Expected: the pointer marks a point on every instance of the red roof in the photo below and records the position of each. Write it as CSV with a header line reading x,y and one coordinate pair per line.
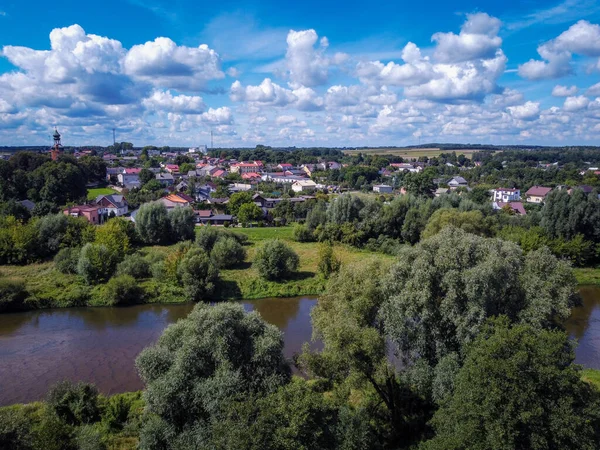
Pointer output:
x,y
133,170
538,191
204,213
515,206
507,190
285,165
219,173
250,175
172,166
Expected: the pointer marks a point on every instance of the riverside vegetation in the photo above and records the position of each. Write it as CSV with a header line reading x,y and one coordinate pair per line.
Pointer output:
x,y
474,321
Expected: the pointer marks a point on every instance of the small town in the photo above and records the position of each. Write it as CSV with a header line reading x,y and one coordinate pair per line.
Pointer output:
x,y
309,226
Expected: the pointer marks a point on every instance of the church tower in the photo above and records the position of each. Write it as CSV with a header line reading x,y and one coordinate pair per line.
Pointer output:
x,y
57,145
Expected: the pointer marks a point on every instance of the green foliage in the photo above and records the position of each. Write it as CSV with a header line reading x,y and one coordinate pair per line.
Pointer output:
x,y
134,265
74,404
198,274
419,183
518,388
227,253
117,235
12,296
183,223
18,241
249,212
469,221
566,216
66,260
275,260
146,175
237,200
96,263
207,237
328,262
152,223
199,365
302,233
122,290
15,430
90,437
345,208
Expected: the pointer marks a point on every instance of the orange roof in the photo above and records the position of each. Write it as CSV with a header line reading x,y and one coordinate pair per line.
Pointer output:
x,y
176,198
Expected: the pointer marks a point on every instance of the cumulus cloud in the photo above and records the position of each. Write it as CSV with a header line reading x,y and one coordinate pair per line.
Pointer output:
x,y
166,101
266,93
576,103
582,38
307,65
527,111
564,91
593,90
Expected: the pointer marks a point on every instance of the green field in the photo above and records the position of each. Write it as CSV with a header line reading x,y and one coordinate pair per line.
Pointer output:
x,y
95,192
587,276
407,153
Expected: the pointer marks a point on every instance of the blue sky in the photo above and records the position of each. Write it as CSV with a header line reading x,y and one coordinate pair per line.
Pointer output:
x,y
300,74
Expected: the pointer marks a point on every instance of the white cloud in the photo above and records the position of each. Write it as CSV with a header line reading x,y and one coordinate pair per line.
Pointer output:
x,y
218,116
582,38
593,90
576,103
267,93
564,91
527,111
165,101
307,66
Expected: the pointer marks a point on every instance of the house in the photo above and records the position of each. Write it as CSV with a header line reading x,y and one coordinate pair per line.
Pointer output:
x,y
27,204
90,212
130,177
206,170
383,189
172,168
586,189
239,187
407,167
165,179
284,166
457,182
251,176
281,178
112,203
304,186
182,186
241,168
177,200
308,169
441,191
113,173
537,194
506,195
517,207
219,173
202,215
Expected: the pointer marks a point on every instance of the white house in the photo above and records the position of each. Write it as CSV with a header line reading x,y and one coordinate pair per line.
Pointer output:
x,y
457,182
130,178
112,204
383,189
304,186
506,195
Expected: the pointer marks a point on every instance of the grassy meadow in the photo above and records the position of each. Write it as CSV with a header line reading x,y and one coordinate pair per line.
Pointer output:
x,y
408,153
587,276
95,192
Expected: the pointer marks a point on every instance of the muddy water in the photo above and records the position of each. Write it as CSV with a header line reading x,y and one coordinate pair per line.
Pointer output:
x,y
99,345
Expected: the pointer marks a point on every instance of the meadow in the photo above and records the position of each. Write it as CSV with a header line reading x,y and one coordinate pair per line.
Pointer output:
x,y
408,153
95,192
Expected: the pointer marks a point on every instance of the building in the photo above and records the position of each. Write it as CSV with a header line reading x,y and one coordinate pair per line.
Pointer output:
x,y
517,207
172,168
243,167
177,200
441,191
90,212
130,177
284,166
165,179
537,194
304,186
112,203
206,217
383,189
27,204
281,178
506,195
55,152
457,182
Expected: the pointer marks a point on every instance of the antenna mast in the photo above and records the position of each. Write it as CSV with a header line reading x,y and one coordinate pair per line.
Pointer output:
x,y
114,138
211,139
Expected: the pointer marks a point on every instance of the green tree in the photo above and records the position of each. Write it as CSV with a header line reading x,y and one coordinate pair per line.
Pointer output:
x,y
66,260
122,290
146,175
152,223
227,252
518,388
249,212
96,263
200,365
183,223
198,274
469,221
328,262
74,404
117,235
237,200
419,183
134,265
275,260
345,208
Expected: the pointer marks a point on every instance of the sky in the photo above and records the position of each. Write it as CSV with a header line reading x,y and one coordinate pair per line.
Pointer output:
x,y
311,73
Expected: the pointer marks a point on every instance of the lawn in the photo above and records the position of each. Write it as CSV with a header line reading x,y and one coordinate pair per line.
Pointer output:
x,y
592,376
587,276
95,192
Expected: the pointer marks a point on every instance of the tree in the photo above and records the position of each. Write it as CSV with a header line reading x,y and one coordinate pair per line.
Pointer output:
x,y
419,183
328,262
146,175
198,274
122,290
275,260
518,388
470,221
134,265
200,365
66,260
345,208
117,235
442,290
227,252
51,231
249,212
74,404
237,200
183,223
207,238
152,223
96,263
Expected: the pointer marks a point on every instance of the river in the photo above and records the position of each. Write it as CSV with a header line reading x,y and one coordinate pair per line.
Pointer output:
x,y
99,345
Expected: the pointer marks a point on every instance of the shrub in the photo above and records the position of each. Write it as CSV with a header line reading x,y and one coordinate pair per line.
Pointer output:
x,y
12,296
51,231
328,262
96,263
198,274
275,260
15,429
66,260
182,222
122,290
302,233
152,223
207,237
90,437
227,252
117,235
134,265
74,404
117,410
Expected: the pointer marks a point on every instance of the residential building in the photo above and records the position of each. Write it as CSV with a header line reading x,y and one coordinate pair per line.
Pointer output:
x,y
284,166
304,186
281,178
240,187
172,168
383,189
517,207
27,204
113,203
244,167
506,195
537,194
177,200
165,179
457,182
90,212
130,177
586,189
441,191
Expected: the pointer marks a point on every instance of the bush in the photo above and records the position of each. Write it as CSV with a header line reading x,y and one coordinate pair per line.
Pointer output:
x,y
96,263
117,410
15,429
74,404
12,296
276,260
182,222
152,223
198,274
134,265
227,252
328,262
51,231
66,260
90,437
302,233
122,290
207,237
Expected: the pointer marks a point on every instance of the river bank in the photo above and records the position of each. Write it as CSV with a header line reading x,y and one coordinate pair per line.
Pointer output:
x,y
45,287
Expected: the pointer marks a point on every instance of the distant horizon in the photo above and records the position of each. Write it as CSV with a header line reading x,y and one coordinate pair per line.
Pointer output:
x,y
319,74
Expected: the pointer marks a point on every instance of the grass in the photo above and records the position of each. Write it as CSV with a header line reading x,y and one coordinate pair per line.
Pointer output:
x,y
410,153
588,276
95,192
591,376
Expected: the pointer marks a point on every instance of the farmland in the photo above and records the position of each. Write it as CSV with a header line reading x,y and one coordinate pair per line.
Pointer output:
x,y
408,153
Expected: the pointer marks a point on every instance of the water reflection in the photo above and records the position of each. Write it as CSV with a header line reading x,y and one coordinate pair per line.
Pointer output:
x,y
99,345
584,325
